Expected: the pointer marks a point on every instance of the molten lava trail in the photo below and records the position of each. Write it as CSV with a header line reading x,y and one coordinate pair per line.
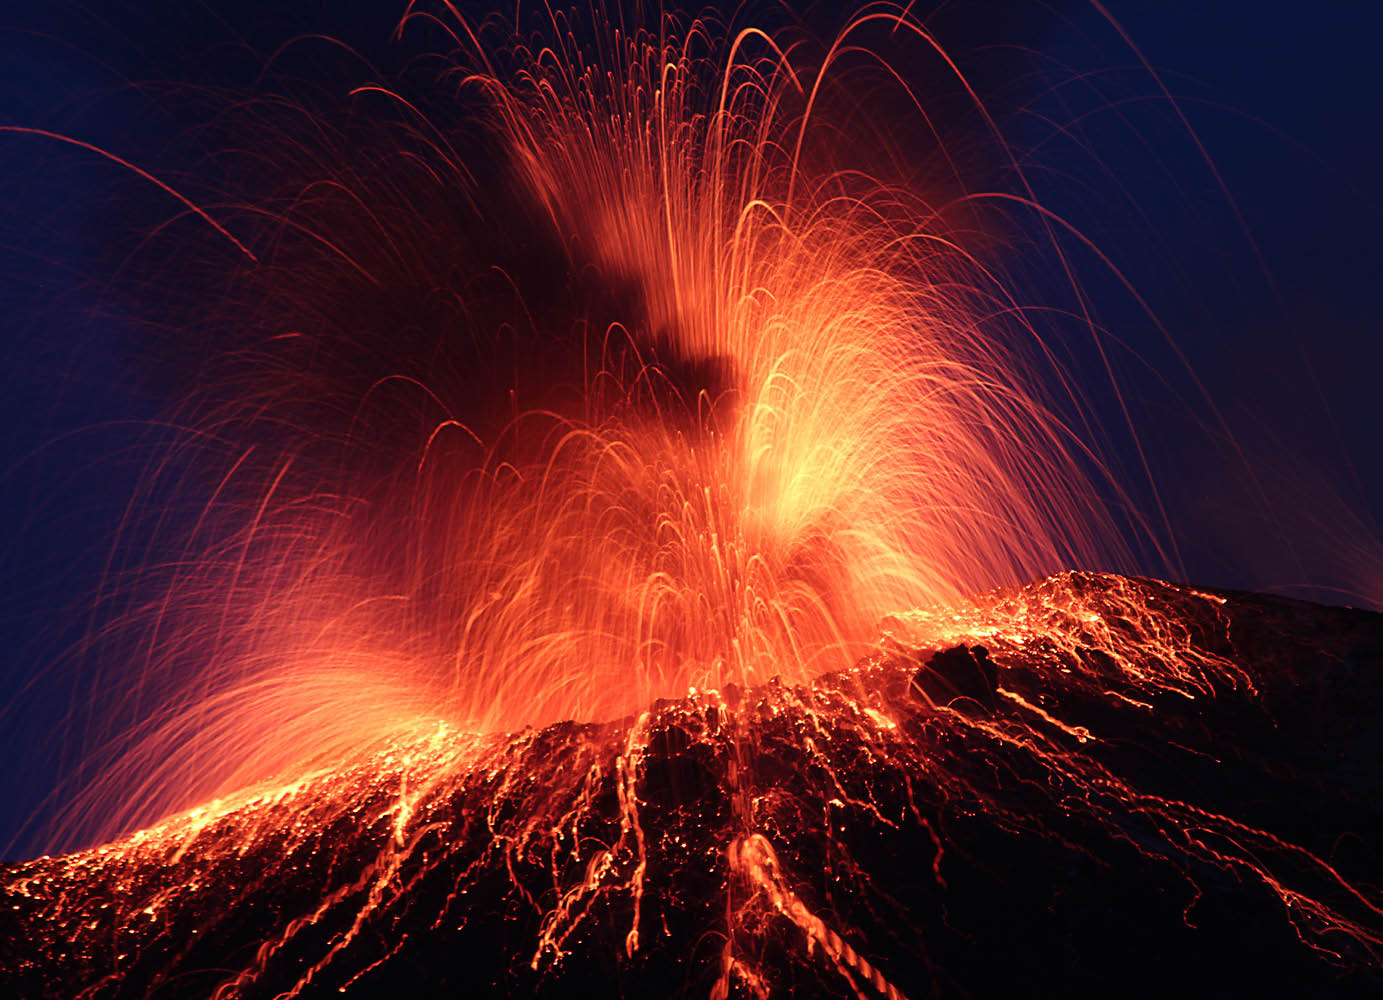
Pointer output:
x,y
1146,786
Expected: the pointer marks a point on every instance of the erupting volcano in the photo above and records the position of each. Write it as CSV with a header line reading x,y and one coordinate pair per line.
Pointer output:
x,y
646,543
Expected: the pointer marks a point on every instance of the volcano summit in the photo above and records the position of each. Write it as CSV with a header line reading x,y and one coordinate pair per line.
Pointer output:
x,y
1164,789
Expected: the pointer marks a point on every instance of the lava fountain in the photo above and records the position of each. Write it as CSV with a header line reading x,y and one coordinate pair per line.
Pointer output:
x,y
794,404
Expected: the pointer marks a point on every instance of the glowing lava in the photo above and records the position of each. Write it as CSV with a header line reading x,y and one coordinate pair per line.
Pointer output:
x,y
802,409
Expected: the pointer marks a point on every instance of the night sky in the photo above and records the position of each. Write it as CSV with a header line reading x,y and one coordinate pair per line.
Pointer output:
x,y
1276,317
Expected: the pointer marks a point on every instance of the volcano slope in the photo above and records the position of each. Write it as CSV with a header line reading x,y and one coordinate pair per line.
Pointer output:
x,y
1089,784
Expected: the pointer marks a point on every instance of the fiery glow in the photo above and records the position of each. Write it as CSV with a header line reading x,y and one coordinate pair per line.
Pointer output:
x,y
810,407
807,412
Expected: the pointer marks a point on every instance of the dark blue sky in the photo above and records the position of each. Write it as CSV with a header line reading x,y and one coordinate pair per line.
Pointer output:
x,y
1285,338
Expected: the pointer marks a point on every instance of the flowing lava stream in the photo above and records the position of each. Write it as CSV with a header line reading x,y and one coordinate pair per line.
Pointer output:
x,y
729,521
